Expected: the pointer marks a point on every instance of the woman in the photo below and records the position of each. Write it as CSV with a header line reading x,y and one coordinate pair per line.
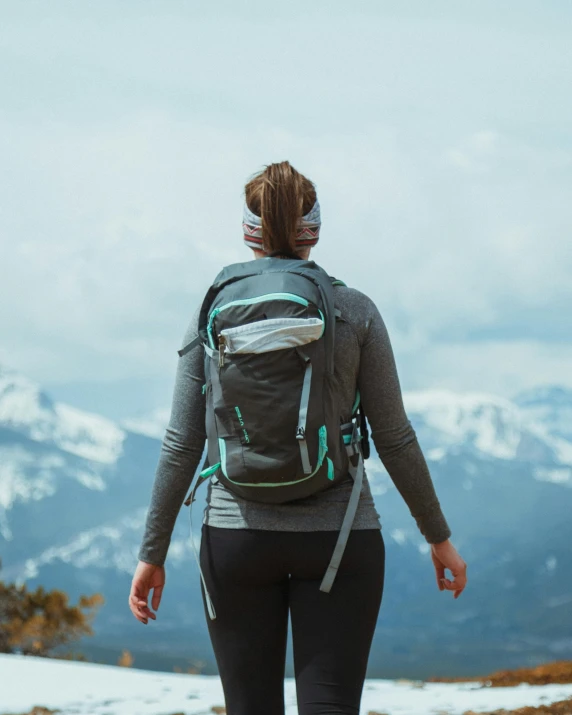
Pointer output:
x,y
263,561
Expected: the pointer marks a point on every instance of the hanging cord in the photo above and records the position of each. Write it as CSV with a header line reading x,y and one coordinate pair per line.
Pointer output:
x,y
189,502
362,423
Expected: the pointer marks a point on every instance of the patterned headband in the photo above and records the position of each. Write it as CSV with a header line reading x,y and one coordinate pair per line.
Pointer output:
x,y
307,234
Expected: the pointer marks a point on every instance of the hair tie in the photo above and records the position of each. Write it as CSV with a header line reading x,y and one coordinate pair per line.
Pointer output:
x,y
307,233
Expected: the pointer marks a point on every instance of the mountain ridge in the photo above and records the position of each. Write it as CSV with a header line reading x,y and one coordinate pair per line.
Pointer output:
x,y
72,517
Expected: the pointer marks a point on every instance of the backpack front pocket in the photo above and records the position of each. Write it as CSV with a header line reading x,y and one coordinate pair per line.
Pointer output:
x,y
258,413
271,334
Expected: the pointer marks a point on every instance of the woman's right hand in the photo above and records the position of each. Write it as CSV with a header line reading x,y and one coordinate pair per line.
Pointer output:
x,y
147,577
445,556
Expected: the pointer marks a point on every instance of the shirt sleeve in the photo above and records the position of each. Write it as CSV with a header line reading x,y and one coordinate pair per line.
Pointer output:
x,y
392,433
181,452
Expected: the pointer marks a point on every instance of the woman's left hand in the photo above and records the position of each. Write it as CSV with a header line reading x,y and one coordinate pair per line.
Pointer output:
x,y
445,555
147,577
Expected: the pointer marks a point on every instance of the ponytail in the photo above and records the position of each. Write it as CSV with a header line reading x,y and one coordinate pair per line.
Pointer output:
x,y
280,195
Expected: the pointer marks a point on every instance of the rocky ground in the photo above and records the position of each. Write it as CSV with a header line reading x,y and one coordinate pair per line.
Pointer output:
x,y
563,707
559,671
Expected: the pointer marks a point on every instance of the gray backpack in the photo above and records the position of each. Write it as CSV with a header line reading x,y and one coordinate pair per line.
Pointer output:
x,y
273,424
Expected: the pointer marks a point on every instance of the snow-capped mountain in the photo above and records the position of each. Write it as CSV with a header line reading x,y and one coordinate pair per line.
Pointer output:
x,y
25,409
152,424
62,471
489,424
74,489
551,406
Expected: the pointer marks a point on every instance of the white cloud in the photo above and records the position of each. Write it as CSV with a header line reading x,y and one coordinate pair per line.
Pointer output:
x,y
501,367
443,180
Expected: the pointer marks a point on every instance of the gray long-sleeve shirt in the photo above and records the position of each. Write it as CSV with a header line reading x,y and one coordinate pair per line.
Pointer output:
x,y
364,360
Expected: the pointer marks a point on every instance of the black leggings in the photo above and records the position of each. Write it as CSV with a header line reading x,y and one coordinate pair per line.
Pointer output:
x,y
254,578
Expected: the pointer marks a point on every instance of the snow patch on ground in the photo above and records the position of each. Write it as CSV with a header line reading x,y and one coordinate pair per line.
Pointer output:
x,y
93,689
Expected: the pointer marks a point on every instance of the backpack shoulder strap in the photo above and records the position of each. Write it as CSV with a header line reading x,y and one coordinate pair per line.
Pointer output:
x,y
337,282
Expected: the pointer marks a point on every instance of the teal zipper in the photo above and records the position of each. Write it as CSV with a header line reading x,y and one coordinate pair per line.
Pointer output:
x,y
250,301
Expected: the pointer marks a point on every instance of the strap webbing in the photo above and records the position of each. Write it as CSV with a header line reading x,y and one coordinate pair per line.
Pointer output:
x,y
357,475
191,498
303,413
190,346
193,344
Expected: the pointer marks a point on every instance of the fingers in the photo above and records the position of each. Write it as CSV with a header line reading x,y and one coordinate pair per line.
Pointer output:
x,y
147,577
457,584
148,612
137,608
440,575
138,603
445,556
156,600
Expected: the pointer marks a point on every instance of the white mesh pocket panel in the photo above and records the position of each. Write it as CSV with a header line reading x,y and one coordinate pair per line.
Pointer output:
x,y
272,334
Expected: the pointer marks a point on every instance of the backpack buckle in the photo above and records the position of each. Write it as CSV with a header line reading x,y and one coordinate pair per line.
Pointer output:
x,y
355,433
300,433
351,436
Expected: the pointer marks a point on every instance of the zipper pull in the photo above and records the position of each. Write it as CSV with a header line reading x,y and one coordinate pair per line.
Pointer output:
x,y
221,344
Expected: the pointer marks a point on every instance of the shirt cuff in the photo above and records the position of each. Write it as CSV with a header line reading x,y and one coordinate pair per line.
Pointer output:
x,y
434,527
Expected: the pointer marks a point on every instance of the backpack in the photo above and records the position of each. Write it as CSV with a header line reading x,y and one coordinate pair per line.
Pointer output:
x,y
273,424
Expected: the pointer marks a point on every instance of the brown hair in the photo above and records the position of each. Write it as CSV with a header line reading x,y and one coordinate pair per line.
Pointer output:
x,y
279,195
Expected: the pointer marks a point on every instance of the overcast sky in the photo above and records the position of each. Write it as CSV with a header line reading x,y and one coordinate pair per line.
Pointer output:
x,y
439,136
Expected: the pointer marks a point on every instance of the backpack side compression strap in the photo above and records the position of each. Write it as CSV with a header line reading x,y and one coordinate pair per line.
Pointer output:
x,y
357,474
